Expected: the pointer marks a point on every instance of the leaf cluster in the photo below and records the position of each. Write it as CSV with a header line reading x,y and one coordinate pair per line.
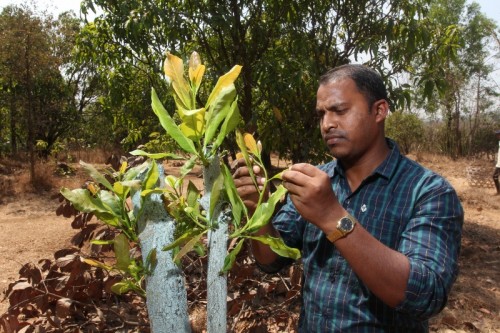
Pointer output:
x,y
197,135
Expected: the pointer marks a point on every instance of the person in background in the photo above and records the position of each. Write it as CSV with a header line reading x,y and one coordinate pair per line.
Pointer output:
x,y
497,167
379,234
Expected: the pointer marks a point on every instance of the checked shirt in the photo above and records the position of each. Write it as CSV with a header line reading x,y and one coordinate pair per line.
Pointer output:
x,y
406,207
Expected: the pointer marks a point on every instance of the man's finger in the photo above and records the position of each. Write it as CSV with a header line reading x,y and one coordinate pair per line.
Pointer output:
x,y
243,181
305,168
295,177
291,187
237,163
240,172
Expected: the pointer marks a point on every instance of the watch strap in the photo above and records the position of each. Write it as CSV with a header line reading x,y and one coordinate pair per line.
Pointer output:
x,y
338,232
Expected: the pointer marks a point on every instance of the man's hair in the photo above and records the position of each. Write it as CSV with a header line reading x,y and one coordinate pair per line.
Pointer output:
x,y
368,81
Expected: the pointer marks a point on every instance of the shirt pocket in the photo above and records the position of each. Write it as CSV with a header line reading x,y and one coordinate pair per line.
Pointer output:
x,y
387,222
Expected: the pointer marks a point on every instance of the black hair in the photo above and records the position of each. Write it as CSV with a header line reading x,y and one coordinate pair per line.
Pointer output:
x,y
367,80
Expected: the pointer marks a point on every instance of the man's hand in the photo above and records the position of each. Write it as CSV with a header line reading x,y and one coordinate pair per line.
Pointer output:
x,y
245,185
311,192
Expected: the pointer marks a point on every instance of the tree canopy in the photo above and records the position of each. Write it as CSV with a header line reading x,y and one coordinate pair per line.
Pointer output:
x,y
431,53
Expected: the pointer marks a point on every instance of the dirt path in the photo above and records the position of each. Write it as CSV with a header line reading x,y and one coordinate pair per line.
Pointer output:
x,y
30,231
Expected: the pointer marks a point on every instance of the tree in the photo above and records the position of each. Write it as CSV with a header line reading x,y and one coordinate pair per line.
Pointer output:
x,y
38,89
406,129
283,47
460,75
200,133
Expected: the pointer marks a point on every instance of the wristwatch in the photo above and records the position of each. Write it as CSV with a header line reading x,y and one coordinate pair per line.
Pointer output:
x,y
344,227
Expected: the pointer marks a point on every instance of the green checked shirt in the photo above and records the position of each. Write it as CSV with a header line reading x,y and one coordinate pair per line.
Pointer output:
x,y
406,207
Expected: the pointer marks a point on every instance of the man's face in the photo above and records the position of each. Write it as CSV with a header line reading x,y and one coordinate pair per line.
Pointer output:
x,y
348,125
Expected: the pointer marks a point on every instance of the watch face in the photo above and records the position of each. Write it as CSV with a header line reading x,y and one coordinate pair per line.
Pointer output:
x,y
345,224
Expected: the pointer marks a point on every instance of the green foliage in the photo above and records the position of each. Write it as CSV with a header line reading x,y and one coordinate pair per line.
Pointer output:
x,y
200,133
453,82
108,201
35,96
283,48
406,129
199,137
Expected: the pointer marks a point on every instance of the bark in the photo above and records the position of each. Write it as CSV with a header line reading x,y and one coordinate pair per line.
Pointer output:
x,y
165,290
217,247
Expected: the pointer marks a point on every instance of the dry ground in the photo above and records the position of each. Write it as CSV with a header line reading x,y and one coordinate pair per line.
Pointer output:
x,y
30,231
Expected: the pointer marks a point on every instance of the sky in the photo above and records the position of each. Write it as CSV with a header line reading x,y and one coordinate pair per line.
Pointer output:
x,y
490,7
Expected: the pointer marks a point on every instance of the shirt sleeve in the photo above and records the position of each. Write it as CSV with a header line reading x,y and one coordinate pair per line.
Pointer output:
x,y
290,224
431,241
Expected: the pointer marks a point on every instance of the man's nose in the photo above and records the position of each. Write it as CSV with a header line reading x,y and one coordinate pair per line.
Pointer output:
x,y
329,121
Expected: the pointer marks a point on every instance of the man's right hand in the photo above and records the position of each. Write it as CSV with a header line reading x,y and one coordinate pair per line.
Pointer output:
x,y
245,185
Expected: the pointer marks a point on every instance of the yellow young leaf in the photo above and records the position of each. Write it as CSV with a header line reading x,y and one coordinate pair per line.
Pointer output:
x,y
174,70
96,263
196,71
250,143
194,60
224,81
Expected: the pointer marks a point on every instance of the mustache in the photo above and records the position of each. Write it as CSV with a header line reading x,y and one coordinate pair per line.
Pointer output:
x,y
334,133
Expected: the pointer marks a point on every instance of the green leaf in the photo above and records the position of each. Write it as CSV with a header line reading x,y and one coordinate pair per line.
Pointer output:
x,y
151,261
193,194
230,123
120,288
145,193
231,257
188,166
218,111
96,175
237,205
156,156
215,193
200,249
265,211
122,252
181,240
111,201
132,173
83,201
152,177
193,123
172,181
188,247
278,246
169,125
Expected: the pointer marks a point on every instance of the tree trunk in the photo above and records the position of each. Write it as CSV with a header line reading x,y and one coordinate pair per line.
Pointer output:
x,y
13,119
29,109
217,247
165,290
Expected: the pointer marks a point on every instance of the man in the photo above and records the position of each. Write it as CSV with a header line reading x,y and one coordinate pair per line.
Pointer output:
x,y
497,167
379,234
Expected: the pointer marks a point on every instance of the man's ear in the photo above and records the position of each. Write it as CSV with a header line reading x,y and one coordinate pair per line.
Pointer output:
x,y
381,110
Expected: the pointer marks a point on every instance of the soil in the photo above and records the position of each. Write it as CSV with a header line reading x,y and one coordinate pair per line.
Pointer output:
x,y
31,231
